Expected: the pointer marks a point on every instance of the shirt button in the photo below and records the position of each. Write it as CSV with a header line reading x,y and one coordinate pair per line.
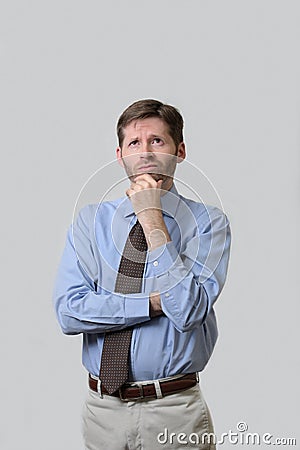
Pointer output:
x,y
155,263
167,294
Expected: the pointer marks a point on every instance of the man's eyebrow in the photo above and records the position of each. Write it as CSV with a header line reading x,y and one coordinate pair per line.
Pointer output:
x,y
133,139
151,136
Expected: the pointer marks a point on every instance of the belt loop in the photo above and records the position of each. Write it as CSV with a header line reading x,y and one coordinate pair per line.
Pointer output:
x,y
99,388
197,377
157,389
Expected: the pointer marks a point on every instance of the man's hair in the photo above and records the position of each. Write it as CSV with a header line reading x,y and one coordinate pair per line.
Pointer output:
x,y
142,109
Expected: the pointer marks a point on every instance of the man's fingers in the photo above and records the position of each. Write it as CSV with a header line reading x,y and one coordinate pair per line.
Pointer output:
x,y
145,184
141,184
134,189
130,192
146,177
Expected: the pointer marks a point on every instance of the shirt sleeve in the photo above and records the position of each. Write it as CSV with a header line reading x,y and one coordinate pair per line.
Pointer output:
x,y
78,305
191,280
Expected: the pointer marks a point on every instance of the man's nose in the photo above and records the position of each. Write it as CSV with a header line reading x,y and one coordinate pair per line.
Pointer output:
x,y
146,149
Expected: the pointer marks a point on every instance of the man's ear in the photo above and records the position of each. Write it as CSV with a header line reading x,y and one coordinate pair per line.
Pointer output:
x,y
181,152
119,156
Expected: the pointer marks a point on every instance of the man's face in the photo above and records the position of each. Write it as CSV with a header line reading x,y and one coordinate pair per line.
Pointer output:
x,y
148,148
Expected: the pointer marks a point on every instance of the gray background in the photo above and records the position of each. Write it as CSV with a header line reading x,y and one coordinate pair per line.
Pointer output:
x,y
68,68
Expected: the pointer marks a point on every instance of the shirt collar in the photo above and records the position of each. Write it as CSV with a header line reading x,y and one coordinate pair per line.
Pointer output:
x,y
169,203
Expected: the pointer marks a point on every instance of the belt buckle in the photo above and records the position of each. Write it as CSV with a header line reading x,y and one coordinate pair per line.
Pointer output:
x,y
132,398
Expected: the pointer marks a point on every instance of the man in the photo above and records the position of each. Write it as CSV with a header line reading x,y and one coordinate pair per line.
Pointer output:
x,y
139,278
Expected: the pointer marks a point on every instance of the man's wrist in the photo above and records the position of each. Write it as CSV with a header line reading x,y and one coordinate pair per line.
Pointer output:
x,y
154,228
155,304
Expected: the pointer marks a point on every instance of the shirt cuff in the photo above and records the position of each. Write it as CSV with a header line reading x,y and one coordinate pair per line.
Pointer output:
x,y
165,264
161,259
136,309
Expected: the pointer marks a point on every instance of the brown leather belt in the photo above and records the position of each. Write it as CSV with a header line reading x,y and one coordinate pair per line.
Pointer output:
x,y
129,392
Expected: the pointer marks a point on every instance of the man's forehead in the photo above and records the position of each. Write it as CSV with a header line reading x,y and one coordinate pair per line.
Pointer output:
x,y
151,123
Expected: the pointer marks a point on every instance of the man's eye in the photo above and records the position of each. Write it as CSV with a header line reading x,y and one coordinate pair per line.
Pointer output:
x,y
133,143
157,141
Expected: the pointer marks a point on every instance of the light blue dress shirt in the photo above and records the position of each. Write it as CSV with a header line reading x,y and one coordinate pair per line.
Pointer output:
x,y
189,272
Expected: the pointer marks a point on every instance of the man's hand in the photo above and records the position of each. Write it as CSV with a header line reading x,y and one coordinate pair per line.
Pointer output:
x,y
155,305
144,194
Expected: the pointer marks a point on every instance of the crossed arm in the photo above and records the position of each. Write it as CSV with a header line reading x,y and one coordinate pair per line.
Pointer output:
x,y
187,289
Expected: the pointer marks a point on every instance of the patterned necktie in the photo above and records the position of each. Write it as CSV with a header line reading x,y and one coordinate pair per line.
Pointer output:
x,y
114,362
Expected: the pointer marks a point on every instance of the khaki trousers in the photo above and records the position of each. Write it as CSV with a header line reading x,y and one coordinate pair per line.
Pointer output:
x,y
177,421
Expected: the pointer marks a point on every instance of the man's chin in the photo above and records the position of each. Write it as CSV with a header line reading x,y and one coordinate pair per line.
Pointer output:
x,y
156,176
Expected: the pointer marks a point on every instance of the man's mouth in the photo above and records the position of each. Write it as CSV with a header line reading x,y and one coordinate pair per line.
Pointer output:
x,y
147,167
